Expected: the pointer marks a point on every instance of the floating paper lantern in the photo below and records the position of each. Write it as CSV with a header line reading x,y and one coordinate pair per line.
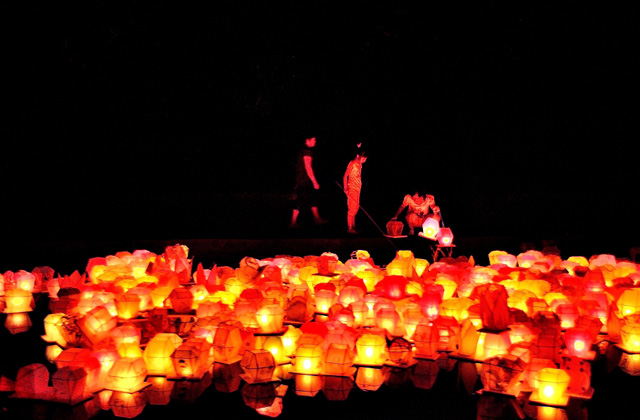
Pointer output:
x,y
227,344
190,358
308,359
290,340
24,280
32,381
159,296
445,237
338,360
126,334
127,374
388,319
468,341
181,300
54,328
274,345
630,335
629,302
18,300
426,340
552,386
258,365
144,293
568,314
430,228
270,318
350,294
97,324
371,350
157,353
69,384
400,351
578,342
129,349
496,344
502,373
127,305
430,304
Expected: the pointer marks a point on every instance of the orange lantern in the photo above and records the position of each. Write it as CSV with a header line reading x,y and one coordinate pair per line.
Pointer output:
x,y
426,340
496,344
24,280
270,319
325,299
126,333
629,302
159,296
190,359
227,344
127,374
258,365
290,340
157,354
338,360
181,300
274,344
568,314
97,324
350,294
127,305
469,337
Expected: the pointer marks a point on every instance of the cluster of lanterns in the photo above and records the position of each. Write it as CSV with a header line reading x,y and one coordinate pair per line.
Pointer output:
x,y
137,326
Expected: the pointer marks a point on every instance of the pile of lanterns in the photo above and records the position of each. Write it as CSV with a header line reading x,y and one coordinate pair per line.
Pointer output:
x,y
137,326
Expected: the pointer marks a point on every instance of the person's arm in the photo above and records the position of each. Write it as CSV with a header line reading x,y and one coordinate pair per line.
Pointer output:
x,y
345,178
402,207
309,168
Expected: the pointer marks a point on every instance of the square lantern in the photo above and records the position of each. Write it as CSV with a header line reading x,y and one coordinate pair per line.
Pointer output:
x,y
445,237
69,384
127,374
97,324
18,300
270,319
338,360
630,335
552,387
308,359
578,343
371,350
426,340
157,353
430,228
190,359
227,344
258,366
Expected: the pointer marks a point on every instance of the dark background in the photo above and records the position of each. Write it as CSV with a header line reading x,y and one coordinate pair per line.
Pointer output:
x,y
158,120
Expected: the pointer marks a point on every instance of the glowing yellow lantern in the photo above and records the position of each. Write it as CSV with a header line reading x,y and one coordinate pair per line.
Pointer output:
x,y
159,296
270,318
157,353
127,374
127,305
448,284
629,302
274,344
129,350
308,359
552,386
18,300
630,335
371,350
97,324
144,293
350,294
469,337
290,340
325,299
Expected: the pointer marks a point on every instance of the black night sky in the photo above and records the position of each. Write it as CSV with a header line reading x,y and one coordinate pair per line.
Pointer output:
x,y
180,119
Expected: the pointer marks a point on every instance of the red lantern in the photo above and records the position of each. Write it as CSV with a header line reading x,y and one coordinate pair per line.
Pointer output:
x,y
578,343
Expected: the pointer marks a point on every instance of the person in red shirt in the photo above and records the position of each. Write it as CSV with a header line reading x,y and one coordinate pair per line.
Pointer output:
x,y
352,184
305,191
419,206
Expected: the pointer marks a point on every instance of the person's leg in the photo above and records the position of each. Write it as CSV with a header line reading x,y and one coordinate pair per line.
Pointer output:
x,y
294,218
353,204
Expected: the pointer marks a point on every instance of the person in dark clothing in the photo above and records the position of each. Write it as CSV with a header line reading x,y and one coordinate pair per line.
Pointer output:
x,y
305,192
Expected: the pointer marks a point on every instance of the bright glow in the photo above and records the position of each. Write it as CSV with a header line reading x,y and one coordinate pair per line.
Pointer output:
x,y
548,391
264,319
306,364
578,345
369,352
432,311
